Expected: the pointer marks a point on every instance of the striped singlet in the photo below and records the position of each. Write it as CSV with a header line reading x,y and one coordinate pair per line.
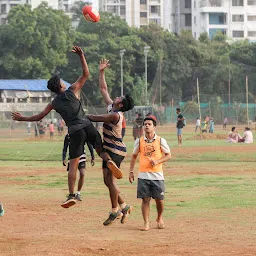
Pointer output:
x,y
112,135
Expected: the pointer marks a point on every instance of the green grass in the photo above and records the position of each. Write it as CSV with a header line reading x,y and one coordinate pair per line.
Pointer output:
x,y
211,190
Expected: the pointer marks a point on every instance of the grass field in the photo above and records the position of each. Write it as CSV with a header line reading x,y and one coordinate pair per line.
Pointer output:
x,y
210,205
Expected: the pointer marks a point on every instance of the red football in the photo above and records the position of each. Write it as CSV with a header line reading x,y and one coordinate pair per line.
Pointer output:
x,y
90,13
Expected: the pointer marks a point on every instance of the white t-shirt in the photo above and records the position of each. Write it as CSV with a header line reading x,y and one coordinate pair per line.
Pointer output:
x,y
198,122
151,175
248,137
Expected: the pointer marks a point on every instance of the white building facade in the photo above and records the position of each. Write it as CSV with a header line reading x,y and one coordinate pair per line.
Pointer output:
x,y
234,18
6,5
138,13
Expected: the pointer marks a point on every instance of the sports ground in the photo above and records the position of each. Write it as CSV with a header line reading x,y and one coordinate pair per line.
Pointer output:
x,y
210,203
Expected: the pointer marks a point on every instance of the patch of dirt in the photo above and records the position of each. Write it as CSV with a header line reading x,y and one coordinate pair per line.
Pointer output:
x,y
208,136
34,224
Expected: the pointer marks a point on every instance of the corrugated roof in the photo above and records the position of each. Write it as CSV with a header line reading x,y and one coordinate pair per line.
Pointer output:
x,y
23,85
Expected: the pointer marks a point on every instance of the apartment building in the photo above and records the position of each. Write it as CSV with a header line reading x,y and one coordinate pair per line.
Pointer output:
x,y
138,13
234,18
6,5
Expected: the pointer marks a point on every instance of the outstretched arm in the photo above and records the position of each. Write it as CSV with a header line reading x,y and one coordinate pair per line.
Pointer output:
x,y
18,117
76,87
111,117
102,82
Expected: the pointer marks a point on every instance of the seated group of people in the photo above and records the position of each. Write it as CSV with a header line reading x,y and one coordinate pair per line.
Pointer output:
x,y
235,137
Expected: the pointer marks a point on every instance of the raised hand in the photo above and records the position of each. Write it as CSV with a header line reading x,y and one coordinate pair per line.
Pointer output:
x,y
78,50
104,64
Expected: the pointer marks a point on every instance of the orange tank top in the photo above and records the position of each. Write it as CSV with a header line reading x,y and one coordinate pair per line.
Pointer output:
x,y
150,150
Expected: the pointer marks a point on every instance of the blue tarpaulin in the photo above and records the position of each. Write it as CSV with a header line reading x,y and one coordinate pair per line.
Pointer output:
x,y
25,85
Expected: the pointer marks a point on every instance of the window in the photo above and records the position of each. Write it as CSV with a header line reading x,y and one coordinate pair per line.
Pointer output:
x,y
238,18
222,19
143,1
13,5
251,17
194,19
188,20
143,15
194,3
3,21
3,8
155,10
112,9
65,7
251,33
238,33
187,3
237,2
251,2
122,10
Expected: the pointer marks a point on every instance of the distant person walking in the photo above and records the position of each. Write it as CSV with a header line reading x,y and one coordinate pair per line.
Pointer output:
x,y
225,122
211,126
198,124
179,125
153,151
137,130
51,130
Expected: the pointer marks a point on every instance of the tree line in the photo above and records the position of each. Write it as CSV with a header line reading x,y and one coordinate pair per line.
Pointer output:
x,y
36,43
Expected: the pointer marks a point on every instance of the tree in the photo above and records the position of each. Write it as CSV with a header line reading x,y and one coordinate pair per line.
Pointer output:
x,y
34,42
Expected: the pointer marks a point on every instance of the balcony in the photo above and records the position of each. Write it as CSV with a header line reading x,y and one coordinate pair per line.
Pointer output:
x,y
212,6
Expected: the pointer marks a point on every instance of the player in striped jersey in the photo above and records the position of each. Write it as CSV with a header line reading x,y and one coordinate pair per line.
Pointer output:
x,y
81,165
113,143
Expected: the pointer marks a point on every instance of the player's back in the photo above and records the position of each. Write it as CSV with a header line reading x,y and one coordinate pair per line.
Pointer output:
x,y
70,109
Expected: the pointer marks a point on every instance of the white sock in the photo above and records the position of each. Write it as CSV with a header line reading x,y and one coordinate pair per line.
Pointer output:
x,y
114,209
78,192
122,206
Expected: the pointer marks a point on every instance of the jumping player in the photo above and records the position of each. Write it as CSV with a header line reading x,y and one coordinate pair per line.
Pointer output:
x,y
80,128
112,143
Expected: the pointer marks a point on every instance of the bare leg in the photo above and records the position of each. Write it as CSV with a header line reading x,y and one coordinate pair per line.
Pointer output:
x,y
73,165
109,181
81,179
160,210
145,208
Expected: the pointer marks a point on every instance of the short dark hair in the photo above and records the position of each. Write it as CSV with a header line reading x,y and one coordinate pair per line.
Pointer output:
x,y
178,109
128,103
233,128
151,118
247,129
54,84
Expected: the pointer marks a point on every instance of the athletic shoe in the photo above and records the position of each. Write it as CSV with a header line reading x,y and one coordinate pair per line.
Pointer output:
x,y
113,216
78,197
71,200
114,169
1,210
126,211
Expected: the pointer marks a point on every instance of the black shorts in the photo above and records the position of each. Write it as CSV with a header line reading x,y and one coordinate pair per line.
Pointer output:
x,y
80,137
115,157
81,165
150,188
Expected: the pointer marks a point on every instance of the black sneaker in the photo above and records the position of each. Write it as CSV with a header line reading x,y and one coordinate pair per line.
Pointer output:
x,y
71,200
126,211
113,216
78,197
